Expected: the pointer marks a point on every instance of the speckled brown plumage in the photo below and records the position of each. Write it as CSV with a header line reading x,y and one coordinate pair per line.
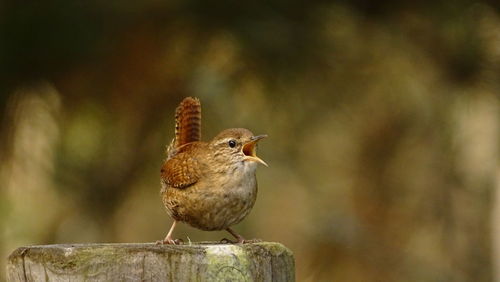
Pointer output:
x,y
209,185
187,124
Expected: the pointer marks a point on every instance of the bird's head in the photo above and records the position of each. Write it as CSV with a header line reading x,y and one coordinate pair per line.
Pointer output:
x,y
236,145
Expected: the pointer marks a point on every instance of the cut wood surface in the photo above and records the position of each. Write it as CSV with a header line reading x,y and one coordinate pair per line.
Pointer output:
x,y
263,261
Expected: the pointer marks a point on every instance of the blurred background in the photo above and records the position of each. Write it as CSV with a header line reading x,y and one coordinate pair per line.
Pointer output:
x,y
383,120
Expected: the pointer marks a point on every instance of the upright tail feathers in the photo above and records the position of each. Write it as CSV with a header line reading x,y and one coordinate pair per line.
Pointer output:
x,y
187,123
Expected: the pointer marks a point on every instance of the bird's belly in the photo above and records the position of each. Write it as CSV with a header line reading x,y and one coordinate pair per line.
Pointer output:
x,y
212,208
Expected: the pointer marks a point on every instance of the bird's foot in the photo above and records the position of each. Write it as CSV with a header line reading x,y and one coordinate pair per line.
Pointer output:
x,y
240,240
170,241
252,241
227,241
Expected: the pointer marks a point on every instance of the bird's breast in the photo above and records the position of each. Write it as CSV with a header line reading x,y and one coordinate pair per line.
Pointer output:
x,y
241,176
220,199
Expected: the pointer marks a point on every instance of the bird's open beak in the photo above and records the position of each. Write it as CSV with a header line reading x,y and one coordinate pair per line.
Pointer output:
x,y
249,149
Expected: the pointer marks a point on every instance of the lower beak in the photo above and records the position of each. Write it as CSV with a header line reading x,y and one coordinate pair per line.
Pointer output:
x,y
249,149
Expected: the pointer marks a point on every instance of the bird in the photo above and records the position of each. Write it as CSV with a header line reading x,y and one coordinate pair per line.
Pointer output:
x,y
208,185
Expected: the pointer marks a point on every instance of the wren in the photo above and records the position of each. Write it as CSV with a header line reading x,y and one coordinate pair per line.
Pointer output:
x,y
208,185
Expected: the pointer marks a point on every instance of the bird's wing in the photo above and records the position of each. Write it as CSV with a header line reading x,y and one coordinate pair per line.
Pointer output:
x,y
182,169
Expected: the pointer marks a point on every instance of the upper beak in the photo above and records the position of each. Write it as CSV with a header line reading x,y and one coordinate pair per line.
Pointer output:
x,y
249,149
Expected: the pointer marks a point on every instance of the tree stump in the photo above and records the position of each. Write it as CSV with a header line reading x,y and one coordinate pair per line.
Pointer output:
x,y
263,261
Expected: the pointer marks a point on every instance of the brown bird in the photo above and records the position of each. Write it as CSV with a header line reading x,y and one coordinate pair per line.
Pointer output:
x,y
208,185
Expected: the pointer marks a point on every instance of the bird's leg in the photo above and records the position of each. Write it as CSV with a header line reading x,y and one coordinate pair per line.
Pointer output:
x,y
168,239
240,238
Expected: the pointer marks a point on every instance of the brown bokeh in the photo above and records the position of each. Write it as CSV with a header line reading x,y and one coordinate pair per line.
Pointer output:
x,y
383,124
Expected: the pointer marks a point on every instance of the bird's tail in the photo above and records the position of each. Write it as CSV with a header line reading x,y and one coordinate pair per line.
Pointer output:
x,y
187,123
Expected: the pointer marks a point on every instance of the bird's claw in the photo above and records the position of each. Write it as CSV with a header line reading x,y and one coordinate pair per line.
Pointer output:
x,y
239,241
169,241
227,241
252,241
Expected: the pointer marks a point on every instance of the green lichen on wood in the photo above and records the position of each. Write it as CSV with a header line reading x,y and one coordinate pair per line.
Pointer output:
x,y
229,262
150,262
70,258
272,254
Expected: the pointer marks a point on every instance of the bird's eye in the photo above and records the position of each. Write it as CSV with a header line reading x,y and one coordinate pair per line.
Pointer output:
x,y
232,143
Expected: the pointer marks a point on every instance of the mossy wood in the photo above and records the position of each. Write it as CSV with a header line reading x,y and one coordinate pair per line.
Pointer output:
x,y
264,261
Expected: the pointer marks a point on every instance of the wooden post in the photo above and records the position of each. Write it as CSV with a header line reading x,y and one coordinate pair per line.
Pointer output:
x,y
263,261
